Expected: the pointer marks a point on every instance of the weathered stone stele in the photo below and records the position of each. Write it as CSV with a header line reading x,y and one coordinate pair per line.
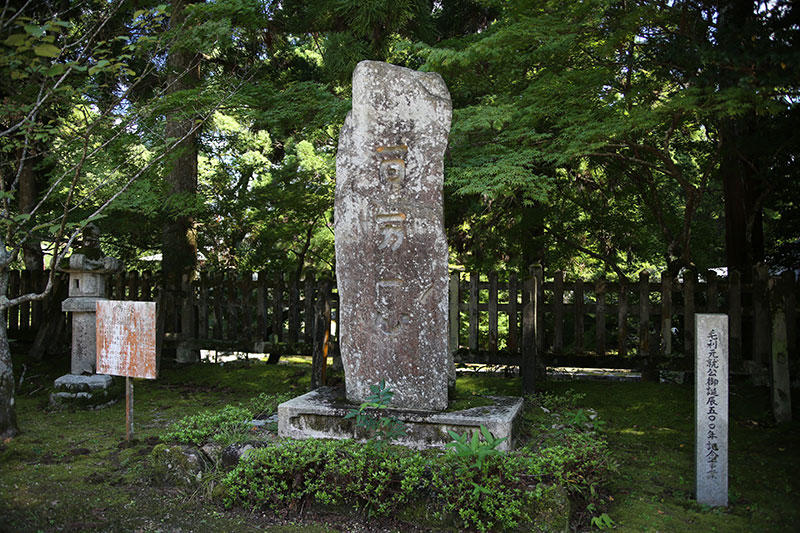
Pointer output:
x,y
391,251
711,408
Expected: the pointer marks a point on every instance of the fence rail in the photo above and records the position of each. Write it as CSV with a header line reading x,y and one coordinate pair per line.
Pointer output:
x,y
496,317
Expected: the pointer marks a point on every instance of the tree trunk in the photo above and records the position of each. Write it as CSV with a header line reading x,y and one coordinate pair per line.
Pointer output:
x,y
742,183
744,234
179,252
8,413
31,250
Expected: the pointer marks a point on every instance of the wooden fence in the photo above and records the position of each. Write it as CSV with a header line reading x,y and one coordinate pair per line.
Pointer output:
x,y
494,317
635,324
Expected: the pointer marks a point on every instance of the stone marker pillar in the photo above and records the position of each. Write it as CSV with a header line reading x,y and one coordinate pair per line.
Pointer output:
x,y
711,408
779,368
87,285
88,273
391,251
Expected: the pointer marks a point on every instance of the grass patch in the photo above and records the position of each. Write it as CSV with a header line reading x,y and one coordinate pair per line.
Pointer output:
x,y
70,471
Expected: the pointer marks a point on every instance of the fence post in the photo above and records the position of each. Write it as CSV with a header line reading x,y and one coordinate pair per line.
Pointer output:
x,y
780,383
147,285
277,310
513,314
203,305
622,318
133,285
600,316
294,312
246,320
788,287
539,273
666,314
644,322
689,282
473,311
735,318
161,319
219,288
530,355
492,307
578,303
558,311
308,308
761,320
186,353
712,292
454,298
322,332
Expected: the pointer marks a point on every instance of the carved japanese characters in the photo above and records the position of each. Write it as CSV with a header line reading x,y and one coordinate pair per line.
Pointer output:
x,y
391,252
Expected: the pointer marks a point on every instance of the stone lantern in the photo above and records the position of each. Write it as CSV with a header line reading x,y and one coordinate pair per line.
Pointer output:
x,y
88,273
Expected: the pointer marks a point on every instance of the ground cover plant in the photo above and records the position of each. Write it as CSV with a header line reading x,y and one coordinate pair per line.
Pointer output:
x,y
72,471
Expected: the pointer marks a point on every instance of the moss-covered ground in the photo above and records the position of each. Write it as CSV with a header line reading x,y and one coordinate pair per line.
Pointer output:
x,y
72,470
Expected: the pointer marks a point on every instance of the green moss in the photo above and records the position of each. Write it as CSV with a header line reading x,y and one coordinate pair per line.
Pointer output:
x,y
67,471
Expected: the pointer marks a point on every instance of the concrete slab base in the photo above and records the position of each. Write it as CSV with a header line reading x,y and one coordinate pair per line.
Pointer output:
x,y
88,392
320,414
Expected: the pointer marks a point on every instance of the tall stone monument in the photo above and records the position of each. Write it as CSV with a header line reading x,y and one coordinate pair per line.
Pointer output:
x,y
391,251
391,269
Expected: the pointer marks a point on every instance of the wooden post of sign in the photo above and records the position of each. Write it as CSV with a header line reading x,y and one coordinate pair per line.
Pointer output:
x,y
128,408
126,346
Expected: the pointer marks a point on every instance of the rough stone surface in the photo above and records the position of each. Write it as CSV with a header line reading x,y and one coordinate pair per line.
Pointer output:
x,y
711,409
178,464
87,285
391,251
320,414
94,391
73,383
779,366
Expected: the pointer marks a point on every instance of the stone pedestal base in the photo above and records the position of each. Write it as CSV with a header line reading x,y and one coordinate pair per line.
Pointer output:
x,y
87,392
320,414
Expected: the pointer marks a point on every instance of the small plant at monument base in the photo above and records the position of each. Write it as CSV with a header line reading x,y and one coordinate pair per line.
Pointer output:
x,y
603,521
475,451
475,448
382,428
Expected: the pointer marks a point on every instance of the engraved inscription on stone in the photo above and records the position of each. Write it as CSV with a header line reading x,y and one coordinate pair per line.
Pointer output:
x,y
393,172
711,409
393,166
392,230
391,252
389,295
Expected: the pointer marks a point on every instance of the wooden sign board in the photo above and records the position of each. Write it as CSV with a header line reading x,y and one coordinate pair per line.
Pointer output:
x,y
126,338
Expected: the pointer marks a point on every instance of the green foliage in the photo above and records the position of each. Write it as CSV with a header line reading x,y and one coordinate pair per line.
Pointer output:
x,y
475,449
567,399
603,521
380,480
381,428
225,426
374,480
266,404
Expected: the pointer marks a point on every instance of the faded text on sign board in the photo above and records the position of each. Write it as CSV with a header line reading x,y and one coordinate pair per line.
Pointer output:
x,y
126,338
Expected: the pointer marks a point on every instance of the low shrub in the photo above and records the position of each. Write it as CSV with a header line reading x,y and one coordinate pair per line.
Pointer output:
x,y
225,426
372,479
228,425
502,492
